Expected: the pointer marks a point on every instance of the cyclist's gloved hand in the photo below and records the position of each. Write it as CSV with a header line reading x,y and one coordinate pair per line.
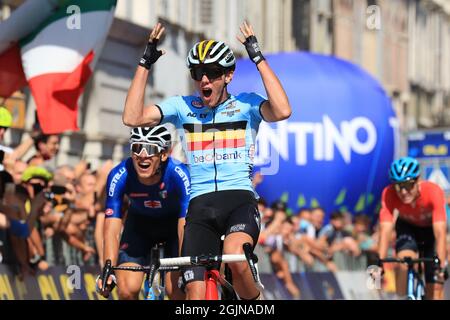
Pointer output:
x,y
441,274
151,53
253,49
251,43
107,276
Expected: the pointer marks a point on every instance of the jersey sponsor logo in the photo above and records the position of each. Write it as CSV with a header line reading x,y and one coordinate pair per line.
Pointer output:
x,y
209,158
114,181
231,105
109,212
197,104
238,227
215,135
185,178
230,113
153,204
138,195
163,194
195,115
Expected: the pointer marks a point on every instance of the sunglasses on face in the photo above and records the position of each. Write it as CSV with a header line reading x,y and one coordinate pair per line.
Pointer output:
x,y
210,72
407,185
150,149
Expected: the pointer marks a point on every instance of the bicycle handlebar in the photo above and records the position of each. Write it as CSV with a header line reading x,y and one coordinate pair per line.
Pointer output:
x,y
170,264
408,260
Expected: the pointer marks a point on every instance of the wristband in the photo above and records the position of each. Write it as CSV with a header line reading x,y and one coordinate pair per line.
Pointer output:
x,y
151,55
253,49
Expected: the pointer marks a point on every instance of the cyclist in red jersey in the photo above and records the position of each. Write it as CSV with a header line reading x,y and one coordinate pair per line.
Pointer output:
x,y
416,209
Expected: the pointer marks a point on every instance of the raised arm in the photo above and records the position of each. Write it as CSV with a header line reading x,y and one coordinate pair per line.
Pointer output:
x,y
277,107
134,113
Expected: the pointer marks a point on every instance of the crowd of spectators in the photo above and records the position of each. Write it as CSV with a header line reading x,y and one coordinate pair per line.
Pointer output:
x,y
49,214
300,241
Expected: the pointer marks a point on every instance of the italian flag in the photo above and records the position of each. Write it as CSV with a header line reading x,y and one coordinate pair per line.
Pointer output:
x,y
57,60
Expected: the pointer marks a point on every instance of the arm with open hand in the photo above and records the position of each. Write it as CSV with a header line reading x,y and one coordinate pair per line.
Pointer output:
x,y
277,107
134,113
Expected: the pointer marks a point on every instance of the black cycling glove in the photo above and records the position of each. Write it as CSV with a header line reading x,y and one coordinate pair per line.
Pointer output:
x,y
253,50
151,55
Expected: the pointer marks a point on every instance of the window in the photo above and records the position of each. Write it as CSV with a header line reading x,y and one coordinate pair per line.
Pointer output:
x,y
206,11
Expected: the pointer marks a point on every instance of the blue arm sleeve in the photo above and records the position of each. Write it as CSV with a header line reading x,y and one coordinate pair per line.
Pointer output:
x,y
115,190
182,183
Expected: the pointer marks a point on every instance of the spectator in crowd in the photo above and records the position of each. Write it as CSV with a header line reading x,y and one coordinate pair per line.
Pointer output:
x,y
336,238
347,221
273,237
34,181
75,219
47,147
361,233
8,155
18,170
317,218
305,243
27,202
297,241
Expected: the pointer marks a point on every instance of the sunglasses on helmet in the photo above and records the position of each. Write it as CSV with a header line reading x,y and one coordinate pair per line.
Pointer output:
x,y
211,72
150,149
407,185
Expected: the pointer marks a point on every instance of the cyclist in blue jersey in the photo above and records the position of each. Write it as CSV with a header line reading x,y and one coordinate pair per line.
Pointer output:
x,y
158,191
218,131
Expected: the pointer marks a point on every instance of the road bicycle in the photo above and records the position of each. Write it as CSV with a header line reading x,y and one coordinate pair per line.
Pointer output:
x,y
218,285
415,285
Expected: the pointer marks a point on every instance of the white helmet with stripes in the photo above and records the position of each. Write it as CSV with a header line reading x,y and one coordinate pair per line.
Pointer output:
x,y
158,135
211,52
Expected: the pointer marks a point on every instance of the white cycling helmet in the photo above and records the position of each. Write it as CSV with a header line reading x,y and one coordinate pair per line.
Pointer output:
x,y
158,135
211,52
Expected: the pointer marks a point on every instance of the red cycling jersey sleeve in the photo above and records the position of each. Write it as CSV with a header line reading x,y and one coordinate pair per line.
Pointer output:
x,y
427,209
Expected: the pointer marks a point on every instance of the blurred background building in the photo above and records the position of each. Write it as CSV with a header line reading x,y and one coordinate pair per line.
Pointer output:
x,y
405,44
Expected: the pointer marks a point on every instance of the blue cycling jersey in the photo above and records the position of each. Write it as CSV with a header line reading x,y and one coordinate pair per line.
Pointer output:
x,y
168,197
219,142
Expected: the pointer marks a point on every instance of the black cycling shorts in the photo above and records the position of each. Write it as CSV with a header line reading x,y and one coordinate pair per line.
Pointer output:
x,y
141,233
215,214
417,239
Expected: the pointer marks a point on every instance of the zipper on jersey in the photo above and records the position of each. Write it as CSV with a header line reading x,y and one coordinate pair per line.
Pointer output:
x,y
214,151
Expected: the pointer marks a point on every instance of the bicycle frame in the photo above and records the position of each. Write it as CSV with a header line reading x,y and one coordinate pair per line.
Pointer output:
x,y
211,279
415,287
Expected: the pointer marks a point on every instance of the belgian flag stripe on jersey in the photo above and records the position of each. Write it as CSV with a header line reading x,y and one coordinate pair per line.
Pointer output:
x,y
215,135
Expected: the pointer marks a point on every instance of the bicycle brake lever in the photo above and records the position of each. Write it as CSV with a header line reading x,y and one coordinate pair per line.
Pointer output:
x,y
107,270
252,262
154,266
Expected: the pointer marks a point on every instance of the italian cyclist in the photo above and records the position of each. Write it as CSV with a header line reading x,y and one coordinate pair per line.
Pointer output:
x,y
158,191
